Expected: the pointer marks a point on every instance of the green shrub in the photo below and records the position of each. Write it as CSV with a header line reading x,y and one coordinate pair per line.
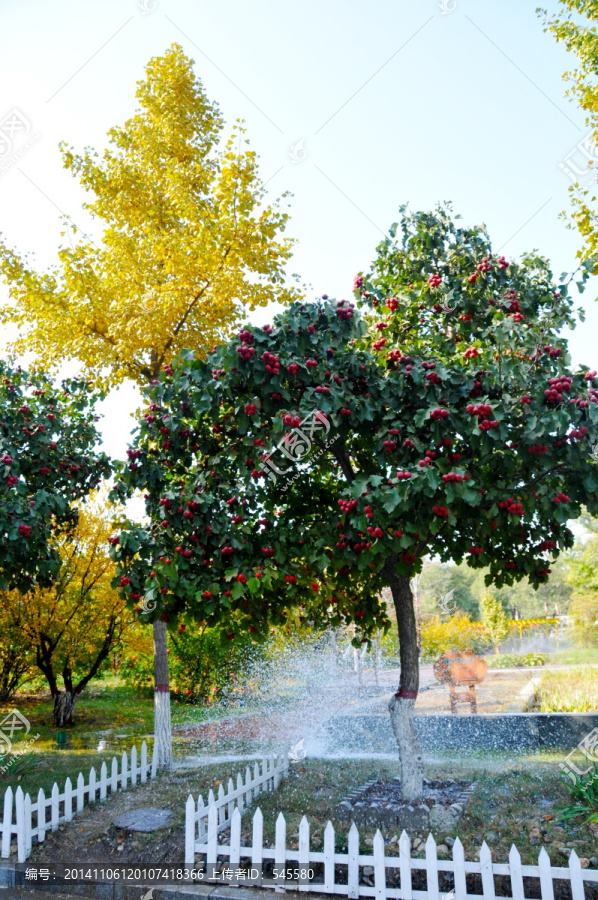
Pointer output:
x,y
514,660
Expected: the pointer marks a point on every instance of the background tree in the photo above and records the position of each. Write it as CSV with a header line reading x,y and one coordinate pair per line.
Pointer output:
x,y
188,246
72,627
583,575
446,588
420,450
48,460
17,660
495,619
575,27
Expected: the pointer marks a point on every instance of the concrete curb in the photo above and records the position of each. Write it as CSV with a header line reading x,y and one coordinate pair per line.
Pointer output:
x,y
372,732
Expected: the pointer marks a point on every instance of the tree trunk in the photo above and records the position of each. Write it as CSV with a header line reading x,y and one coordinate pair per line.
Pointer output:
x,y
64,706
162,724
401,705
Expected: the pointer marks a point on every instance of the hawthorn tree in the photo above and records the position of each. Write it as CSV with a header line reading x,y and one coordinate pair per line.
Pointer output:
x,y
189,244
313,463
48,460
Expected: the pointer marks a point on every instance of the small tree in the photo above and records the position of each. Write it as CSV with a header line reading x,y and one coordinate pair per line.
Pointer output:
x,y
495,619
311,464
48,460
72,627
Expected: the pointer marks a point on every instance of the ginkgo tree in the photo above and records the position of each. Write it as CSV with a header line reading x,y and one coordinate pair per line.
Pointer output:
x,y
311,464
188,245
573,23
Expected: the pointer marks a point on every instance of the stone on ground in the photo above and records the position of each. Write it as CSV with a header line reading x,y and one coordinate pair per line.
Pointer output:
x,y
146,819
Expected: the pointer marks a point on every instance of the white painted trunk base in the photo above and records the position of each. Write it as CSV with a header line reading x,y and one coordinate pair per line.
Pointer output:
x,y
412,763
162,730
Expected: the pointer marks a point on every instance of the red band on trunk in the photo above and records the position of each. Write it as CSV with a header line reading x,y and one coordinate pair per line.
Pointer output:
x,y
406,694
161,689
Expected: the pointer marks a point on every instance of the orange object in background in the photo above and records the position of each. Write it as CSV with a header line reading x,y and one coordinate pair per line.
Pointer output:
x,y
458,668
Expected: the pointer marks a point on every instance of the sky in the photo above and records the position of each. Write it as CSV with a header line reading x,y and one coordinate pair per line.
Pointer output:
x,y
353,108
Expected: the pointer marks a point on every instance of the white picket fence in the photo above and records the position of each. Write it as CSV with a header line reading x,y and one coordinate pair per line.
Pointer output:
x,y
350,863
198,824
19,806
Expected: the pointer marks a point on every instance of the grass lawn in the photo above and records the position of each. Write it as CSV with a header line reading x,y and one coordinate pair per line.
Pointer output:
x,y
107,709
575,657
568,690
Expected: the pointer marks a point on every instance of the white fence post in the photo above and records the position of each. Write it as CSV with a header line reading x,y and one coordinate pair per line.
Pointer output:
x,y
80,792
7,823
546,885
68,800
103,781
220,806
303,852
405,866
280,845
20,816
55,808
329,857
240,803
353,862
190,832
432,868
28,826
257,842
212,842
235,839
459,870
143,762
231,803
133,765
124,772
379,867
577,888
486,872
41,815
516,874
114,775
201,814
